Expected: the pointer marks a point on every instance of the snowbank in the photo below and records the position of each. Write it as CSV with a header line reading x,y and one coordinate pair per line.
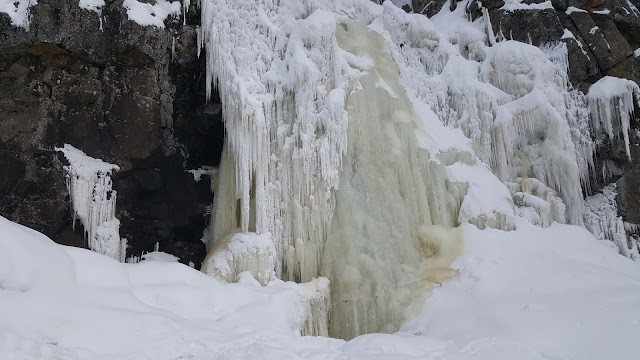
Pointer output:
x,y
528,294
537,293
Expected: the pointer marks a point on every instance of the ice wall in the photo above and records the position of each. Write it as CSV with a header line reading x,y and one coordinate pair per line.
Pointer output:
x,y
93,201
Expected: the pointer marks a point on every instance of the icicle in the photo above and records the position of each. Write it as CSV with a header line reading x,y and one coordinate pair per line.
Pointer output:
x,y
611,101
93,201
185,10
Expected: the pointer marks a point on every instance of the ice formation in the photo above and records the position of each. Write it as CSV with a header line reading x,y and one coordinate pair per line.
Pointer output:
x,y
602,220
611,101
337,148
93,201
354,203
242,252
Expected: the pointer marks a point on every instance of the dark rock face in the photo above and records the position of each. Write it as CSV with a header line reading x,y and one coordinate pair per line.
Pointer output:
x,y
119,94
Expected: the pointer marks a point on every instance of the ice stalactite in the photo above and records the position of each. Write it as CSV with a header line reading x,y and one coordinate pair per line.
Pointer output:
x,y
611,101
93,201
602,220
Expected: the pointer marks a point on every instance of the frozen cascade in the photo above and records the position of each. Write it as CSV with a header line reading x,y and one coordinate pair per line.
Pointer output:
x,y
359,180
93,201
393,207
602,220
611,101
292,168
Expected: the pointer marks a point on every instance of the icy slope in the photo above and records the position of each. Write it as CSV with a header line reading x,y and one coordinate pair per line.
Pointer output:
x,y
554,293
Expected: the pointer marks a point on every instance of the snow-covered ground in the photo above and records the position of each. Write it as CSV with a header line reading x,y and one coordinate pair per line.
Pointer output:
x,y
476,111
535,293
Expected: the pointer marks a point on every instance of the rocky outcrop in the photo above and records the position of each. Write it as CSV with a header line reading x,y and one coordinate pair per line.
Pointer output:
x,y
128,94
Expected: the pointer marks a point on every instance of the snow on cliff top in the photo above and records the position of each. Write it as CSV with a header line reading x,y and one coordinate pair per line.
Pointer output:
x,y
151,15
18,11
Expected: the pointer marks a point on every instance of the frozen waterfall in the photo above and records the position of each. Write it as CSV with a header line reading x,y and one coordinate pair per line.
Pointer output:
x,y
359,137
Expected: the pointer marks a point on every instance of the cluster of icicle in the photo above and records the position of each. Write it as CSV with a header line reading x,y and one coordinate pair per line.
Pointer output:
x,y
602,220
611,101
93,202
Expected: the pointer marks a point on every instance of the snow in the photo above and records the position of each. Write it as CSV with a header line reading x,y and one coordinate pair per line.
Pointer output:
x,y
636,53
567,34
93,201
602,12
152,15
572,9
529,294
18,11
158,256
93,5
547,293
513,5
